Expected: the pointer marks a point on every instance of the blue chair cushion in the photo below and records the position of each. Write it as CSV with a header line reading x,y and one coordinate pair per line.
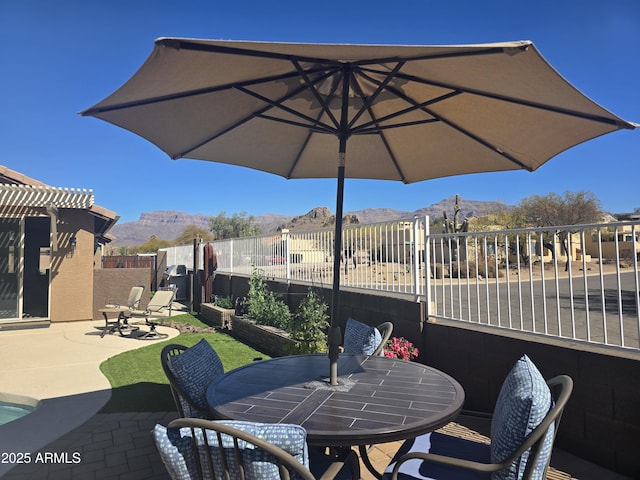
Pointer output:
x,y
360,338
195,369
523,402
441,444
176,448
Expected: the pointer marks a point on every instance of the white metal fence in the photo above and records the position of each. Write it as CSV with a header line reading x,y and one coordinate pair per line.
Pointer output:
x,y
575,282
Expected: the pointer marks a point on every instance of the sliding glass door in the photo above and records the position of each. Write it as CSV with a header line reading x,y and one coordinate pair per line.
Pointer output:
x,y
25,266
9,268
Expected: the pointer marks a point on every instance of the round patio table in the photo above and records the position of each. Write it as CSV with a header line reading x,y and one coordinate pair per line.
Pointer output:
x,y
378,400
118,323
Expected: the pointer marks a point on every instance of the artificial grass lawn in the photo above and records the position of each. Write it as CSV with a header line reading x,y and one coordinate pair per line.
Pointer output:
x,y
138,383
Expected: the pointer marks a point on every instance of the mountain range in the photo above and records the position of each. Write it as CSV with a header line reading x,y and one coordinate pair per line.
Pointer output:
x,y
167,225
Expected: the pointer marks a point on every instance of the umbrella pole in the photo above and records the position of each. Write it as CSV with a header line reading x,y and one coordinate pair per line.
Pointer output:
x,y
335,335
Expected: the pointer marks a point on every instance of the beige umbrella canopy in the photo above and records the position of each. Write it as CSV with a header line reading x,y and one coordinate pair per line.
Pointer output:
x,y
406,113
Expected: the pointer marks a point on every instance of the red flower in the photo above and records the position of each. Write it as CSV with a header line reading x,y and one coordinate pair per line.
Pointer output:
x,y
400,347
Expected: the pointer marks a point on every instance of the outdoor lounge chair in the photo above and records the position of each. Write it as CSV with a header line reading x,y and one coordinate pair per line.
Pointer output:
x,y
159,307
195,448
523,428
121,322
360,338
190,371
133,302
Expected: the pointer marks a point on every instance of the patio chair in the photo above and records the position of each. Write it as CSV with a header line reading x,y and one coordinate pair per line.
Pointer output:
x,y
195,448
523,428
159,307
122,320
360,338
133,302
190,371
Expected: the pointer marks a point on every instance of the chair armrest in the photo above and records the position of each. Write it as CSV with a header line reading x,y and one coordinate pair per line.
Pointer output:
x,y
346,457
449,461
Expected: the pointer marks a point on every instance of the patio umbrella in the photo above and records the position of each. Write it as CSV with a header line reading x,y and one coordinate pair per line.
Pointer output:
x,y
406,113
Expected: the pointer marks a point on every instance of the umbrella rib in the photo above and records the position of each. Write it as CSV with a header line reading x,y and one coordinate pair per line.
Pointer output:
x,y
372,98
325,108
518,101
299,155
312,87
481,141
465,132
367,106
414,106
277,104
259,113
189,93
186,44
318,127
378,128
183,44
439,56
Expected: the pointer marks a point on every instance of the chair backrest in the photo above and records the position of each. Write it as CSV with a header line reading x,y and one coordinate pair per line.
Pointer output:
x,y
360,338
385,329
195,448
525,421
543,436
161,299
190,375
135,295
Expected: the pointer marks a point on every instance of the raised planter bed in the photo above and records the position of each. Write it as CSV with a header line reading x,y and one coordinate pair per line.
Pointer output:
x,y
216,316
270,340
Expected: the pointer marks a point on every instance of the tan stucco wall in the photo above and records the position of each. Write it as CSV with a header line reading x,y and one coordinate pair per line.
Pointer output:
x,y
114,284
72,271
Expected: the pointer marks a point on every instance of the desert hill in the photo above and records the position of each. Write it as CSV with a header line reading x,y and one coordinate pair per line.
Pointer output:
x,y
168,225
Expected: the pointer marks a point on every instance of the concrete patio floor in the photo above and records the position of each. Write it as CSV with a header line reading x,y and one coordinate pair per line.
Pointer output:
x,y
59,366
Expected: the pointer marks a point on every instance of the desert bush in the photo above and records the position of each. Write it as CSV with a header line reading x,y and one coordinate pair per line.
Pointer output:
x,y
437,270
463,268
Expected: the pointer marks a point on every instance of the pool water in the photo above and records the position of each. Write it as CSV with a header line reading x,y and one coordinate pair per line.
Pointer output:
x,y
10,411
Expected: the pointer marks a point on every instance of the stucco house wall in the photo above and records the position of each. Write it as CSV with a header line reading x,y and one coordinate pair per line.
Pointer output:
x,y
61,265
72,275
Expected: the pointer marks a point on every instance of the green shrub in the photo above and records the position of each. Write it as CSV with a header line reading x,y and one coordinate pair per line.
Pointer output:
x,y
265,307
224,302
309,325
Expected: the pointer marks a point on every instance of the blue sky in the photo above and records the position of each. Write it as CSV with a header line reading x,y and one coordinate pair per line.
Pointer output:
x,y
62,57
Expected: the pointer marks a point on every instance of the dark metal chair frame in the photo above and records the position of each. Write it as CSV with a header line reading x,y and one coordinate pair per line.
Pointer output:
x,y
121,322
150,314
563,386
287,464
385,329
178,393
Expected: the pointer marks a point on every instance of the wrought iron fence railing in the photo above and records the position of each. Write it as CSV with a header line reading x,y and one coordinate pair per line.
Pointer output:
x,y
576,282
